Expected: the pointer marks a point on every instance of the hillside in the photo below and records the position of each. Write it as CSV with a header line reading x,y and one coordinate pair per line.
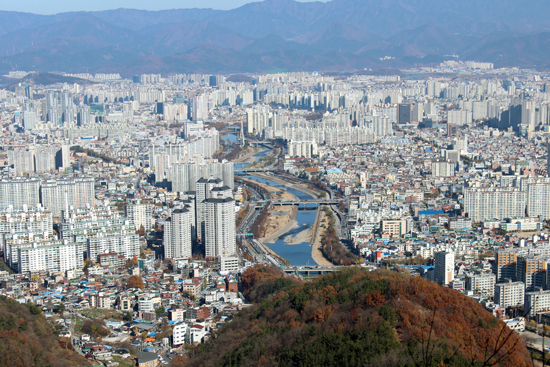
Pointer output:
x,y
27,339
357,318
337,35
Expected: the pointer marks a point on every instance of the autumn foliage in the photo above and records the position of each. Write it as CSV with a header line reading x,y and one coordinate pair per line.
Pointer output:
x,y
27,339
332,248
134,282
359,318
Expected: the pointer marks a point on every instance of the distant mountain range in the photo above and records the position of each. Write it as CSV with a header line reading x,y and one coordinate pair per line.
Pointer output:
x,y
279,35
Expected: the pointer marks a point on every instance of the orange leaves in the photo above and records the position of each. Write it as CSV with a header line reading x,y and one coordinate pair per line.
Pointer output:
x,y
280,295
328,292
134,282
322,315
430,301
375,299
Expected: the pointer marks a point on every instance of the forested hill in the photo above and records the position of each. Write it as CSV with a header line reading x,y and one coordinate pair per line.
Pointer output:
x,y
27,339
357,318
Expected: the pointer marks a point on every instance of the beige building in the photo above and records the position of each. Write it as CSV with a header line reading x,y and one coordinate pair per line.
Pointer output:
x,y
395,227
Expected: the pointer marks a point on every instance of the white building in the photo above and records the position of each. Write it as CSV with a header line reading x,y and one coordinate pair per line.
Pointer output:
x,y
220,227
538,197
486,203
229,263
302,149
180,334
177,234
19,193
146,304
122,242
509,294
482,284
537,302
54,257
444,267
62,194
141,214
443,169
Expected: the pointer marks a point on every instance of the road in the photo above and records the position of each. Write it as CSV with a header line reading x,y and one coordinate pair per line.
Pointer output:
x,y
536,339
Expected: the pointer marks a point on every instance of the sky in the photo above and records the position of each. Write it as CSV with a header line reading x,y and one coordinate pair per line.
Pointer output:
x,y
61,6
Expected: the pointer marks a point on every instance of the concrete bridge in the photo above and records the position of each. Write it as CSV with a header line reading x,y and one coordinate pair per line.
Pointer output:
x,y
241,171
305,202
307,269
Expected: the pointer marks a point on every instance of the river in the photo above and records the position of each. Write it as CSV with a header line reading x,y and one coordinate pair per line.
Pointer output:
x,y
299,254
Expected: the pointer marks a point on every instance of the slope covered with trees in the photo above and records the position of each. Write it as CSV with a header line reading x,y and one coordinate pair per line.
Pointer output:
x,y
357,318
27,339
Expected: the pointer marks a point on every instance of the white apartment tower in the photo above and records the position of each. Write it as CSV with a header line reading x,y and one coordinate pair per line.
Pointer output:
x,y
177,234
58,195
19,193
141,214
202,191
487,203
444,267
220,227
510,294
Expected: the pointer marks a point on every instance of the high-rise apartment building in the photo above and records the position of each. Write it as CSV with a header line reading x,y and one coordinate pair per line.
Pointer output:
x,y
537,302
220,227
531,271
509,294
444,267
19,193
487,203
481,284
177,234
62,194
203,187
404,113
140,213
54,256
538,197
443,169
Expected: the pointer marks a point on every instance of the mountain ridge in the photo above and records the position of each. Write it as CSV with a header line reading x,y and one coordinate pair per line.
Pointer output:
x,y
330,36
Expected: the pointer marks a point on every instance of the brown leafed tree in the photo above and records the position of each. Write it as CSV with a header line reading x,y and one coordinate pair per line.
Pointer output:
x,y
134,282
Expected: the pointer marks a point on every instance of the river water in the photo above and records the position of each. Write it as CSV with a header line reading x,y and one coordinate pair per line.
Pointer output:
x,y
299,254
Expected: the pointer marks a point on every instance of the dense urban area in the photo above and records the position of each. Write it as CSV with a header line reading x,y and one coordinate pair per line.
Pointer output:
x,y
138,216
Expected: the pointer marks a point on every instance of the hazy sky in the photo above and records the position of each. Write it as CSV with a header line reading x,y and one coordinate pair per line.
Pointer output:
x,y
60,6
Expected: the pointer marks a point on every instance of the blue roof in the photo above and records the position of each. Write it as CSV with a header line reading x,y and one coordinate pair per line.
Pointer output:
x,y
430,212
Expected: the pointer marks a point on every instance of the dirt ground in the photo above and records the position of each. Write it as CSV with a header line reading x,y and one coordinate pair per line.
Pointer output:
x,y
279,216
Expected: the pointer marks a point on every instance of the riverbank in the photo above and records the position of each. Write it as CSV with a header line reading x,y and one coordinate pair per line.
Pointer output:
x,y
247,155
316,253
281,220
276,193
300,237
313,193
